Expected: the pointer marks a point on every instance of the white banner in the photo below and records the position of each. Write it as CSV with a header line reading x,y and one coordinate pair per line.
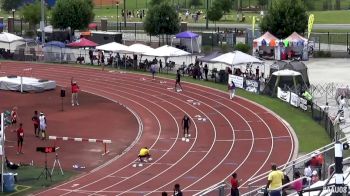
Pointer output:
x,y
238,80
294,99
283,95
252,86
303,103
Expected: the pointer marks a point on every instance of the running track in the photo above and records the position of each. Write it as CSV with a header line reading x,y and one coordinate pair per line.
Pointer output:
x,y
238,136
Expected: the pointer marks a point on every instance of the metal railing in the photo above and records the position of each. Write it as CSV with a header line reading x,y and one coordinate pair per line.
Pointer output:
x,y
291,165
220,187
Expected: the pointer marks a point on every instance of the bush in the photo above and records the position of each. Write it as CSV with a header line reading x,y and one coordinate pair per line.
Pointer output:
x,y
206,49
225,48
242,47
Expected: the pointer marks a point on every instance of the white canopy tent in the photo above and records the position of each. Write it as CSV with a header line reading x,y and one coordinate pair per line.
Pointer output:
x,y
47,29
235,58
113,47
167,51
138,49
8,39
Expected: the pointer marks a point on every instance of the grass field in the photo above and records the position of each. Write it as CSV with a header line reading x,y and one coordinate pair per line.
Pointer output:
x,y
28,182
140,4
321,17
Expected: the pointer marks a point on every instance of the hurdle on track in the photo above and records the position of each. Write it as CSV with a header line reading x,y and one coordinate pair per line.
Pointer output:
x,y
27,72
104,142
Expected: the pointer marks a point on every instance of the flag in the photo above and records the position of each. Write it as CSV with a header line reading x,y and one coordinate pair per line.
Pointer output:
x,y
253,26
310,24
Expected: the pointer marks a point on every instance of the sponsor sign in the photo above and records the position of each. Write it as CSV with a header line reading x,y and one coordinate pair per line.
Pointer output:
x,y
283,95
238,80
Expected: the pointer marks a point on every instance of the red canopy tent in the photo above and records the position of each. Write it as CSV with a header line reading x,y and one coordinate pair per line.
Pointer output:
x,y
82,43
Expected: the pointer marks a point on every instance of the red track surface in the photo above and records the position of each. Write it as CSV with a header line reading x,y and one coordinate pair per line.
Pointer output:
x,y
238,136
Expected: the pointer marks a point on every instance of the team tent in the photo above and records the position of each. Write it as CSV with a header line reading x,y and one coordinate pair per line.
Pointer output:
x,y
235,58
189,39
138,49
10,40
167,52
209,57
112,47
296,43
287,80
56,51
266,46
82,43
292,65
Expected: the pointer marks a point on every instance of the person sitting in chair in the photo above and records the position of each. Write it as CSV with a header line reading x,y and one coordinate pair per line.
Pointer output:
x,y
144,153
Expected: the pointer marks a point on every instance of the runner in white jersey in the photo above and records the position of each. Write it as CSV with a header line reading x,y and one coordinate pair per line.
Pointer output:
x,y
43,124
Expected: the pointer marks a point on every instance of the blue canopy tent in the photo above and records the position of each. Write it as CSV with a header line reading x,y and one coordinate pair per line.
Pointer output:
x,y
56,51
186,39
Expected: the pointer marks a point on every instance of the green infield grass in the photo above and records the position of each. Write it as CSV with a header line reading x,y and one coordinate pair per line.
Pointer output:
x,y
28,182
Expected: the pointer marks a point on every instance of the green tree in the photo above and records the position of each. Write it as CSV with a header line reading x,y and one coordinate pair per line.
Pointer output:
x,y
285,17
226,5
309,4
262,3
156,2
76,14
215,13
8,5
31,13
195,3
162,20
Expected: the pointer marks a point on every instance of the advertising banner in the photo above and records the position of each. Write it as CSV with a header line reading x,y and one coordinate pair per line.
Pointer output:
x,y
283,95
238,80
252,86
294,100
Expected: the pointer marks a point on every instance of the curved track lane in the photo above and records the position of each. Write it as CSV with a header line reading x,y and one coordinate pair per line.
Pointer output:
x,y
237,136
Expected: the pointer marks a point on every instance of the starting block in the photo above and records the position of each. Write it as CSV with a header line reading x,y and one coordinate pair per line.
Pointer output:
x,y
183,139
187,140
134,165
140,164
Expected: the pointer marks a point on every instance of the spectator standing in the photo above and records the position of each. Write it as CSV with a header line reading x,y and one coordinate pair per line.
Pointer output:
x,y
43,125
153,70
91,56
307,172
160,65
35,120
75,91
102,60
206,71
232,89
20,136
177,190
234,185
274,182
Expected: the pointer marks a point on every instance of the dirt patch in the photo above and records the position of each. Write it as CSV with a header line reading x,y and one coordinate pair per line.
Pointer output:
x,y
95,118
